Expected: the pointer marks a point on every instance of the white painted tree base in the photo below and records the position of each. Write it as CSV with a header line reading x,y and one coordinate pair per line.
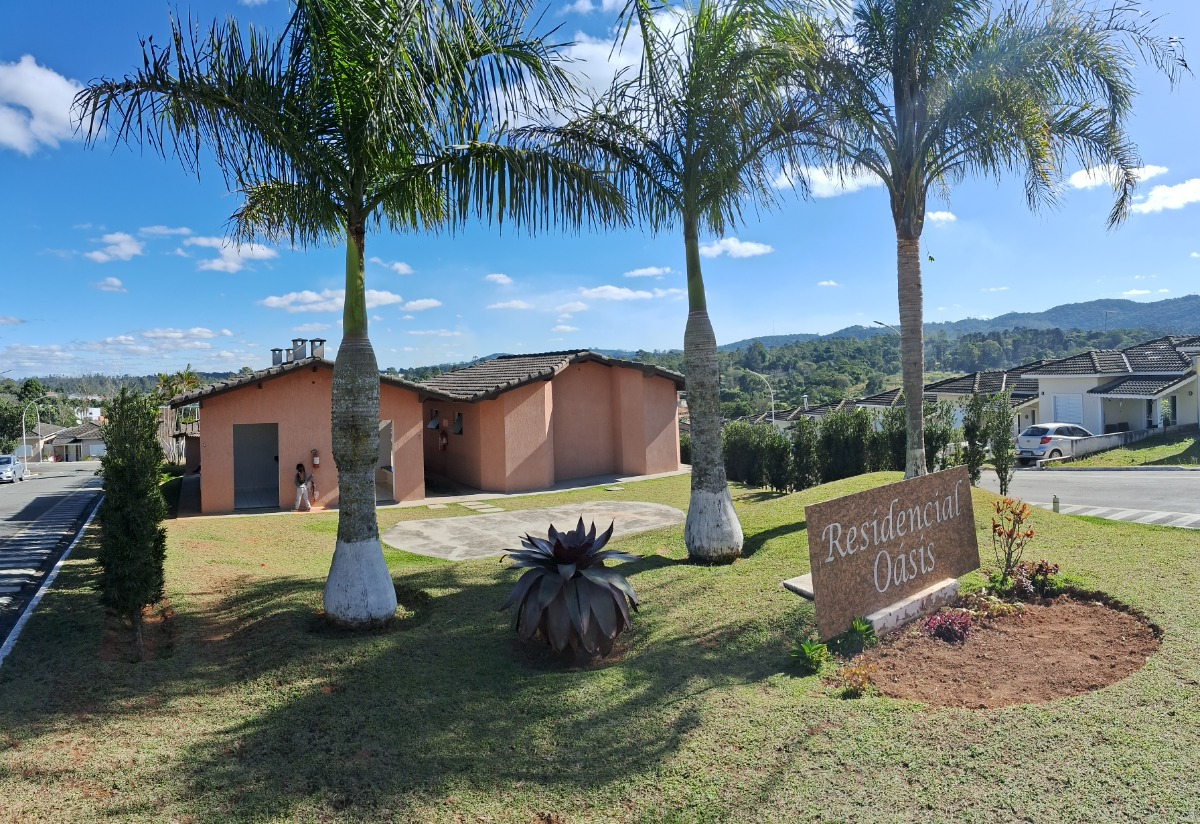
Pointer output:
x,y
712,532
359,592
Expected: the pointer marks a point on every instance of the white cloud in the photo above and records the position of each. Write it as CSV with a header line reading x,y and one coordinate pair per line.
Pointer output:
x,y
310,328
327,300
1163,291
615,293
511,304
496,277
1133,293
1170,197
408,317
35,106
573,306
195,333
734,248
588,6
562,327
232,257
941,218
826,183
399,266
120,247
254,2
649,272
421,305
828,283
668,293
163,231
9,320
994,289
1105,175
1194,255
439,333
111,285
1144,277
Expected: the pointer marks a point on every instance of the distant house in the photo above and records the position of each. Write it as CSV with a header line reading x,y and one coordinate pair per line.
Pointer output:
x,y
37,441
514,423
1114,390
77,443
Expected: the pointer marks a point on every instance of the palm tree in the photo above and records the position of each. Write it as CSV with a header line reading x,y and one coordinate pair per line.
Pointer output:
x,y
927,92
690,138
362,112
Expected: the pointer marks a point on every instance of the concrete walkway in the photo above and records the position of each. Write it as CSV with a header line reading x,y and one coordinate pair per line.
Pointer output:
x,y
489,534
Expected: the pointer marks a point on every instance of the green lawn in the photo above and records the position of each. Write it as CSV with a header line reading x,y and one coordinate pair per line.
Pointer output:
x,y
255,711
1175,449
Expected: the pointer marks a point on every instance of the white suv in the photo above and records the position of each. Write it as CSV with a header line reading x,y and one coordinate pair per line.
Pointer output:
x,y
1048,440
11,469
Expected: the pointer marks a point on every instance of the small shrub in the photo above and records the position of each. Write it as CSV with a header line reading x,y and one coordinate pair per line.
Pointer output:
x,y
685,448
810,655
568,596
854,680
950,625
1010,533
986,605
1036,580
859,637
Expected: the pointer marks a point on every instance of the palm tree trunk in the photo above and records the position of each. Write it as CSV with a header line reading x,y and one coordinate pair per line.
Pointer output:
x,y
359,592
912,350
712,532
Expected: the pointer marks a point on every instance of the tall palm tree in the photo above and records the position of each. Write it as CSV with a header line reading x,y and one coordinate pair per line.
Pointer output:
x,y
929,91
362,112
690,138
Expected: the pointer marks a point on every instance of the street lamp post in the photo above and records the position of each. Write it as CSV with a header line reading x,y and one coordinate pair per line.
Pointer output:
x,y
769,389
38,415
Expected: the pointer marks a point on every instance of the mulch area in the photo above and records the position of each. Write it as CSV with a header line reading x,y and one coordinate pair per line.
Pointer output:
x,y
1066,646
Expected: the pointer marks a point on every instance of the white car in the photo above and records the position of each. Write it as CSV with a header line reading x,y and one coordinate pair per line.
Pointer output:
x,y
11,469
1048,440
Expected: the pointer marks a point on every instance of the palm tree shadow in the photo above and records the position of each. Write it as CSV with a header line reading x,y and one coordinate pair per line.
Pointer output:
x,y
756,541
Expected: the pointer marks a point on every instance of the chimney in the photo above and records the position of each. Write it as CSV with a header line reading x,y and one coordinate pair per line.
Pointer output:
x,y
298,348
318,347
805,399
276,356
287,355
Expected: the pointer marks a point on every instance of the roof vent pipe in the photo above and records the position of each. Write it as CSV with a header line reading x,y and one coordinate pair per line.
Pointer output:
x,y
318,347
298,348
276,356
804,398
287,355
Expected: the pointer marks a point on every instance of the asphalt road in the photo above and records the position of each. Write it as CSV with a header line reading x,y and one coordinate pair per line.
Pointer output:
x,y
45,485
1160,490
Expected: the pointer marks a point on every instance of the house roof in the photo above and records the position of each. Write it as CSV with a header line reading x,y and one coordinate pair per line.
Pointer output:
x,y
1160,356
272,372
84,432
487,379
892,397
44,430
991,382
1138,386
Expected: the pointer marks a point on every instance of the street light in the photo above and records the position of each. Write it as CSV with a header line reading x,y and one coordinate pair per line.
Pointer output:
x,y
769,389
38,414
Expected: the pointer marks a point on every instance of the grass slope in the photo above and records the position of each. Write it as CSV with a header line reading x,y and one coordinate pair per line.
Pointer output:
x,y
1175,449
257,712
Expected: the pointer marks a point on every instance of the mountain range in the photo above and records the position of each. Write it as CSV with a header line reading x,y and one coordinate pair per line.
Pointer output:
x,y
1176,316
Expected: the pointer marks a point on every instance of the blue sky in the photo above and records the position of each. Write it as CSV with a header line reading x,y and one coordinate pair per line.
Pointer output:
x,y
114,258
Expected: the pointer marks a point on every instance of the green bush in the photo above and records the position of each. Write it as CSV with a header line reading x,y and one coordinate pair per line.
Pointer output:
x,y
133,542
845,436
778,468
939,434
685,448
975,433
806,455
741,458
889,440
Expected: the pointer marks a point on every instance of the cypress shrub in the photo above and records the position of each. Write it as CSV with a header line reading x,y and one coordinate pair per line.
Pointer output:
x,y
844,444
806,456
975,433
889,440
778,468
133,542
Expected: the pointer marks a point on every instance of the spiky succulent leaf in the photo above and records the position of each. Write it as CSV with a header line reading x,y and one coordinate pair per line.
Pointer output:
x,y
548,590
599,543
556,623
520,590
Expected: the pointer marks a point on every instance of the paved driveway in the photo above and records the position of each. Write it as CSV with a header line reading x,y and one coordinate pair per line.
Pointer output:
x,y
488,534
1150,496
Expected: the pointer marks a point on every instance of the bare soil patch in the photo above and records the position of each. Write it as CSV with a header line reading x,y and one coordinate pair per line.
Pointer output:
x,y
1067,646
158,634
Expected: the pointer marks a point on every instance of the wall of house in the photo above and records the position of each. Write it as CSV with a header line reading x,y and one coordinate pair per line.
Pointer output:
x,y
461,461
661,425
518,440
583,421
1051,385
403,408
1186,404
629,421
299,402
1129,411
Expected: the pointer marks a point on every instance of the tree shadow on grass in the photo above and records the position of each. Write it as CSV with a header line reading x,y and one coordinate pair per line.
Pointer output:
x,y
756,541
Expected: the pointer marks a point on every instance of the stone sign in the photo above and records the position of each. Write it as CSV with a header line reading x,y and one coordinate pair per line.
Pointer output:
x,y
878,547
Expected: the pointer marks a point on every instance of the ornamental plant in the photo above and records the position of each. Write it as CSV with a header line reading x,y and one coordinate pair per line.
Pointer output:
x,y
854,680
951,625
1010,533
810,655
568,595
1035,579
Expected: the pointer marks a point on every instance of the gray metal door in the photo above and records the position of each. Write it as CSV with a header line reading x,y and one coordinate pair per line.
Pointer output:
x,y
255,465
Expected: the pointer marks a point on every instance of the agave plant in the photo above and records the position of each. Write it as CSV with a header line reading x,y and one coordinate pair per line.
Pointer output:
x,y
568,594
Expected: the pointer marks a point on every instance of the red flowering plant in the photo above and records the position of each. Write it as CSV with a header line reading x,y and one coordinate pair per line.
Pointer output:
x,y
1010,533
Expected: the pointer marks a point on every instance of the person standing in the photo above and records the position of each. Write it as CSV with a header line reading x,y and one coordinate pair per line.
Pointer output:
x,y
301,480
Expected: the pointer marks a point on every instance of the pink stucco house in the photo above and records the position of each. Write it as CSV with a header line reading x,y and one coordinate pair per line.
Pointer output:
x,y
511,424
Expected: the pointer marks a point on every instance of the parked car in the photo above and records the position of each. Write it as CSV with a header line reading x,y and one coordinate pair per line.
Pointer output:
x,y
11,469
1048,440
